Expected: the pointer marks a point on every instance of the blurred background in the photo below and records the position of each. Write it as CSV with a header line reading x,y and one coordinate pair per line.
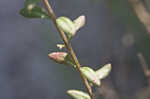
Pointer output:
x,y
115,33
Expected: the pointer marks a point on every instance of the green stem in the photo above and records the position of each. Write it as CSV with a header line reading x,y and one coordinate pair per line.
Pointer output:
x,y
69,47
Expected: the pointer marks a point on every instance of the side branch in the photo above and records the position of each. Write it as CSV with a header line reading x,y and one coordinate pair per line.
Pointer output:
x,y
145,66
142,13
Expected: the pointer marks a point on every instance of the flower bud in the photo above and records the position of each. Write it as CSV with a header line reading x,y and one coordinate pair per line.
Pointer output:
x,y
58,57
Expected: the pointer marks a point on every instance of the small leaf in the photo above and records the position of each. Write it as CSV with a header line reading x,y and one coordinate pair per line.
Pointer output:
x,y
76,94
66,25
90,74
104,71
79,22
28,2
69,60
33,11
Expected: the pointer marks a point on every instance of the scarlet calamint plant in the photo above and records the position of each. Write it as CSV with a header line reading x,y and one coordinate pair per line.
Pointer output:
x,y
67,30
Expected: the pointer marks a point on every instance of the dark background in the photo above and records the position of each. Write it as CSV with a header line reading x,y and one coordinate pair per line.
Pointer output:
x,y
112,34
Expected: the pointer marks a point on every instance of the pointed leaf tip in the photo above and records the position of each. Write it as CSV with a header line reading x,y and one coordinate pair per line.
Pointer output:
x,y
79,22
27,2
104,71
76,94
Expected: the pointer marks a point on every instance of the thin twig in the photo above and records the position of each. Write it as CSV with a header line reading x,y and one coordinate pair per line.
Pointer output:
x,y
68,46
144,65
142,13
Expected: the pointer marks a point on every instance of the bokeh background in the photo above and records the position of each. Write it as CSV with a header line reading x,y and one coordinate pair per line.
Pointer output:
x,y
113,34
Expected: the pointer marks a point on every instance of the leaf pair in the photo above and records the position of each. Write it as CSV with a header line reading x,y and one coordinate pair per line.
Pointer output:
x,y
32,10
70,27
96,76
92,76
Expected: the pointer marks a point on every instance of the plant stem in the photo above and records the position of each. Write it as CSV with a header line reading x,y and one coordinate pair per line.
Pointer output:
x,y
142,13
69,47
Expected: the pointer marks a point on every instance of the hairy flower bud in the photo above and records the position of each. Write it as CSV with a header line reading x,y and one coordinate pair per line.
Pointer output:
x,y
58,57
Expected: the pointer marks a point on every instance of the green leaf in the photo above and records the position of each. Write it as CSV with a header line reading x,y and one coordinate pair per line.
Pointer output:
x,y
69,60
90,74
79,22
33,11
28,2
76,94
66,25
104,71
